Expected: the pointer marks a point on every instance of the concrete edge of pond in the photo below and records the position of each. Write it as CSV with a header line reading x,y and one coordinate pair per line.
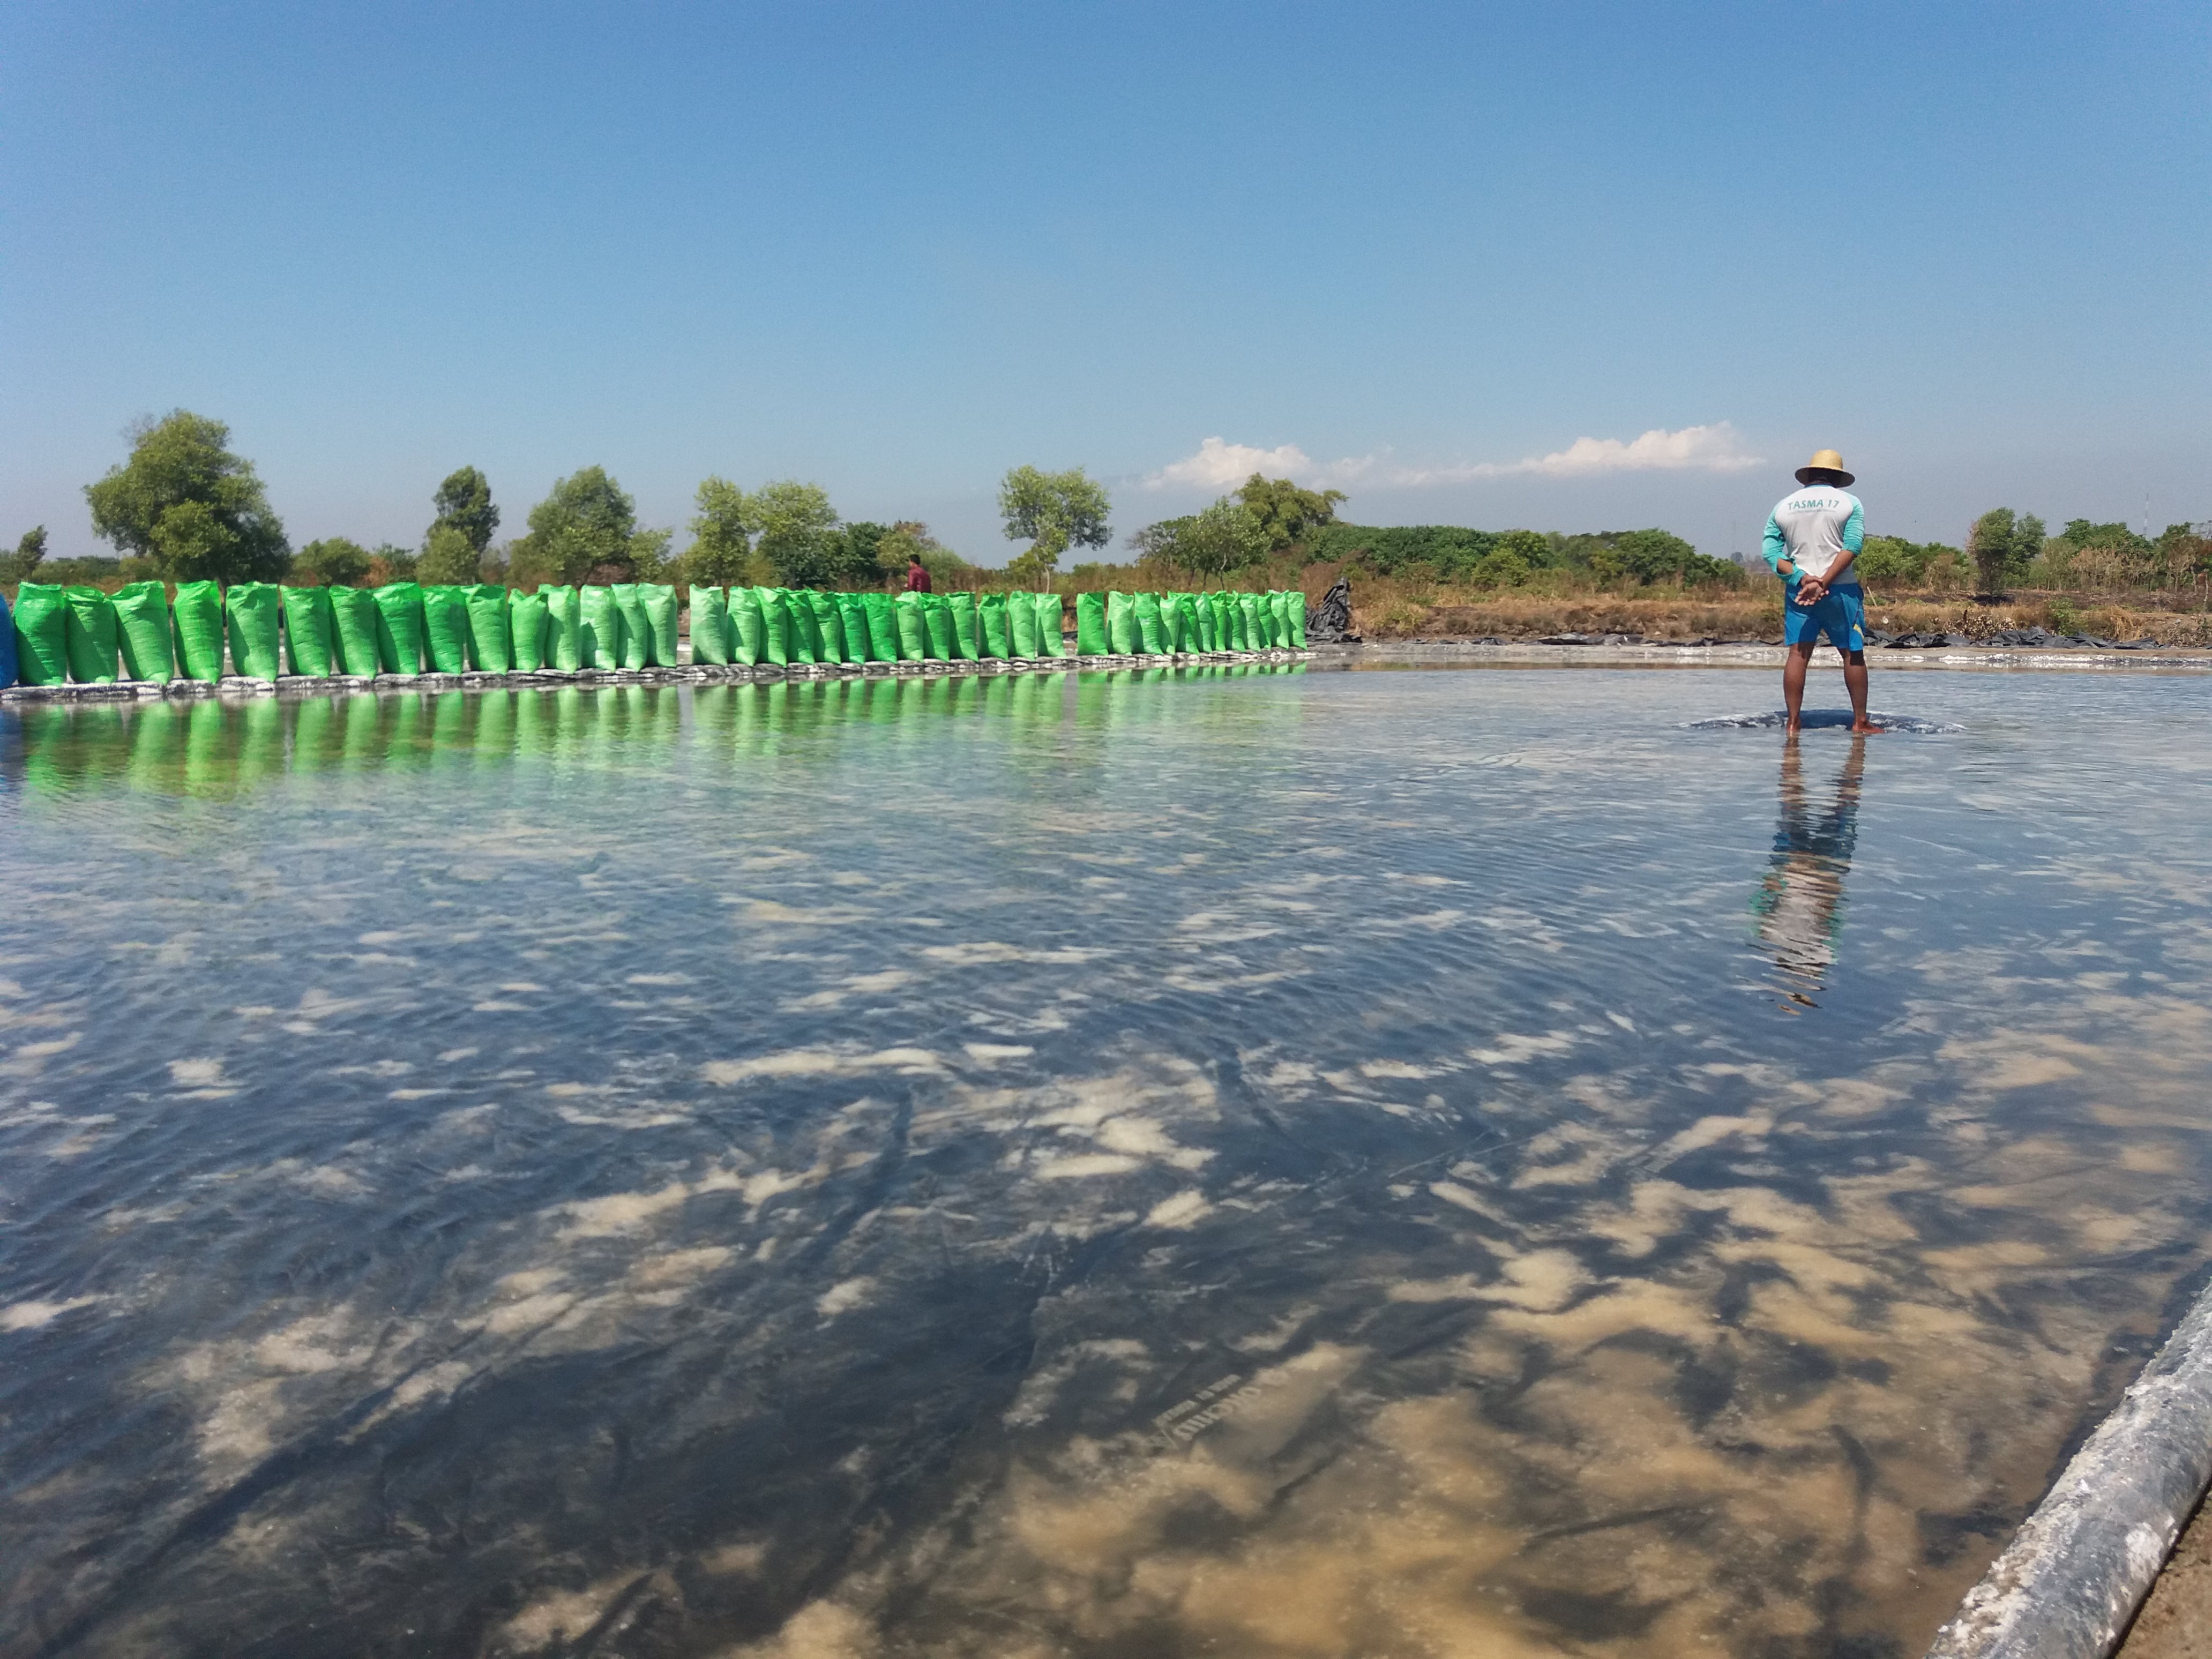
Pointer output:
x,y
688,674
2076,1572
1742,654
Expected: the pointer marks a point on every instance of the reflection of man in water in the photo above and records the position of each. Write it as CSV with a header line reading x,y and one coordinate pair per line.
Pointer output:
x,y
1801,902
1812,536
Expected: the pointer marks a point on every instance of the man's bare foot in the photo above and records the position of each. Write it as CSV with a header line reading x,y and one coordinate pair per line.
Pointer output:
x,y
1865,729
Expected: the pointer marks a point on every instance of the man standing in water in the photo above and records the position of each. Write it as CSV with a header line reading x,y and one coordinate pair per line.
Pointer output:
x,y
1812,536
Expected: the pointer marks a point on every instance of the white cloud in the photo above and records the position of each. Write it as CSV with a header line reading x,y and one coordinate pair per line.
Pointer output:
x,y
1220,465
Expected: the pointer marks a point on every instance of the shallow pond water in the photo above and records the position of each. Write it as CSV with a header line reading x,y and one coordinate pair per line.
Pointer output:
x,y
1247,1163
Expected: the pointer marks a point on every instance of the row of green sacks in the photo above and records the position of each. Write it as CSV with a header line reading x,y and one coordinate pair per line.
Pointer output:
x,y
86,635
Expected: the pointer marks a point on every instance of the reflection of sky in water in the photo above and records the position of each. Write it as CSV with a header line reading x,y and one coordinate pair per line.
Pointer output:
x,y
1270,1163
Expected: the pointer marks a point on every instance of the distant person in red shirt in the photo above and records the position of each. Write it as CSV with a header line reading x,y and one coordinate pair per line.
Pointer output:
x,y
917,577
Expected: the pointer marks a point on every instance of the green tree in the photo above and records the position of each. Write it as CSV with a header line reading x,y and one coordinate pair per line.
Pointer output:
x,y
586,527
721,551
911,538
1645,556
1054,510
2001,544
464,504
333,562
448,556
31,550
1287,513
1225,536
799,534
186,504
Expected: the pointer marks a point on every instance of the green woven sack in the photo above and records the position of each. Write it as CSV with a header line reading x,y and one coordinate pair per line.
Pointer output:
x,y
491,647
991,623
854,615
710,626
637,637
1256,628
528,616
883,626
1197,634
776,627
564,628
600,633
252,610
1091,625
446,627
804,638
307,630
1298,599
746,634
913,631
967,638
1051,642
42,634
89,636
141,623
1121,638
658,601
1171,623
196,628
829,626
1021,625
1147,608
936,617
399,627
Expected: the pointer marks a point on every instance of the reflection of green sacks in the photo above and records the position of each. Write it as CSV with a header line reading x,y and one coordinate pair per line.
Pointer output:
x,y
1050,641
1121,625
1147,608
883,627
195,628
658,601
600,635
446,627
776,627
527,617
637,639
1091,625
710,626
1298,599
491,649
307,630
913,631
251,611
804,638
967,639
89,636
936,618
746,634
854,615
829,626
1021,625
142,625
564,628
991,623
399,627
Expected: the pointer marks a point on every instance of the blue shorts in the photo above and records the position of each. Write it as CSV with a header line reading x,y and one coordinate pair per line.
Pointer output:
x,y
1840,614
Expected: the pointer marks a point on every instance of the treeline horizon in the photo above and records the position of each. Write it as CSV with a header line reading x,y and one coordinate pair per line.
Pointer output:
x,y
183,507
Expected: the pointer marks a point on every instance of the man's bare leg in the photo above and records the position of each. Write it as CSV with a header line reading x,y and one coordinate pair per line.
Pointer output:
x,y
1793,682
1855,681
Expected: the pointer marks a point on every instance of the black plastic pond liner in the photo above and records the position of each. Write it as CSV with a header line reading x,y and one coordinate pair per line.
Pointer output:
x,y
491,650
1091,625
657,602
399,627
528,617
195,622
307,617
600,631
252,611
710,626
446,627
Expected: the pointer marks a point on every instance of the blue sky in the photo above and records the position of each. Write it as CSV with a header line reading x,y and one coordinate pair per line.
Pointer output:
x,y
1419,251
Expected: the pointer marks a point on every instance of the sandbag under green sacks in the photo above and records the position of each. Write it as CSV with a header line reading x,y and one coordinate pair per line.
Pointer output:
x,y
353,630
308,619
142,632
252,615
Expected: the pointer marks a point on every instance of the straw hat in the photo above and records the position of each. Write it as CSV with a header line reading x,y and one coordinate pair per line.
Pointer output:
x,y
1825,460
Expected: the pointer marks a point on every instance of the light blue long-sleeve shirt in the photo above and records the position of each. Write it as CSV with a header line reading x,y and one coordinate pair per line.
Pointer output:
x,y
1812,528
